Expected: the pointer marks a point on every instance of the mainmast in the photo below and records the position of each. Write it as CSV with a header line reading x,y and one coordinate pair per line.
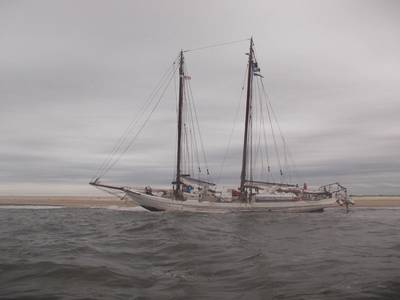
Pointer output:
x,y
178,189
247,121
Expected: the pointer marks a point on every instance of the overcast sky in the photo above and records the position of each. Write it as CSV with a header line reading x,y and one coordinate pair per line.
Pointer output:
x,y
74,73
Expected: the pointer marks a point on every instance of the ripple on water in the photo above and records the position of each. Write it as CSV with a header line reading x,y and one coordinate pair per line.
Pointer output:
x,y
111,254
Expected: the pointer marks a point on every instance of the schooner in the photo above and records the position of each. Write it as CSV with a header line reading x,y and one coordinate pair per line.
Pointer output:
x,y
192,194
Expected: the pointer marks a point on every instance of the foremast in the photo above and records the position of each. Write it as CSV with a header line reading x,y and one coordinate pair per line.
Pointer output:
x,y
178,186
243,193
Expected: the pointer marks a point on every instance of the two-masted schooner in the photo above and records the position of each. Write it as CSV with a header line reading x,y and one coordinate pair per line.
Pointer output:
x,y
192,194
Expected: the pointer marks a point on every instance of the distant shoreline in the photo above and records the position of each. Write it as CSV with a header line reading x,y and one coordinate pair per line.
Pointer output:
x,y
96,201
376,201
66,201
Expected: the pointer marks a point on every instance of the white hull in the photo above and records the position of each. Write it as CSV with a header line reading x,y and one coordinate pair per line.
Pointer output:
x,y
156,203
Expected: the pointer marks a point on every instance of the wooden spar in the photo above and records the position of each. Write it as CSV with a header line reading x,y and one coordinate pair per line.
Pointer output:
x,y
113,187
248,108
178,189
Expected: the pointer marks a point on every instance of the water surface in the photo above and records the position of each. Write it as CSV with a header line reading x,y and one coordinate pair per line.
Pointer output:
x,y
107,254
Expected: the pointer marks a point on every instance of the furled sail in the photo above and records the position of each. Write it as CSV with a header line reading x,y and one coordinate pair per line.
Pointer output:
x,y
186,179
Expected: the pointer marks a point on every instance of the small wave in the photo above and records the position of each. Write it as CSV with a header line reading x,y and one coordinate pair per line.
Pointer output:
x,y
121,208
29,206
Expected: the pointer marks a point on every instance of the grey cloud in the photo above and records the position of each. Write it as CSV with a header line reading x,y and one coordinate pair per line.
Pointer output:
x,y
73,75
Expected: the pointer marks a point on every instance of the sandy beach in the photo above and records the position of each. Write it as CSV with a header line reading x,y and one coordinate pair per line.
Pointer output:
x,y
376,201
96,201
66,201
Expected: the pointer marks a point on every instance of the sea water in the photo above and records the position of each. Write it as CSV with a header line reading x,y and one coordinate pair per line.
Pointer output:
x,y
73,253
